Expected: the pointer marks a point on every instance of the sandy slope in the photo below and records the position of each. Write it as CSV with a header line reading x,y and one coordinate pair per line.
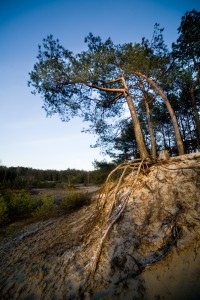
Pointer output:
x,y
151,252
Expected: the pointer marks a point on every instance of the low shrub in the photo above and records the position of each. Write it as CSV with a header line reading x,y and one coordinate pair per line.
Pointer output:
x,y
75,200
19,204
16,203
45,203
21,201
3,210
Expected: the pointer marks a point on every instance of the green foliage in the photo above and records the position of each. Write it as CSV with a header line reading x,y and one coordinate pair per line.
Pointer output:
x,y
18,201
186,54
187,46
100,84
45,203
70,186
74,200
14,204
3,210
88,84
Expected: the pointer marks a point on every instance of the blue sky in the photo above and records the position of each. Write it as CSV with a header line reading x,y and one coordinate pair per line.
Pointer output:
x,y
27,137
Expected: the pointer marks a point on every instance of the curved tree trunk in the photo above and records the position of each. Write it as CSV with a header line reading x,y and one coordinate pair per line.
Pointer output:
x,y
136,123
170,110
174,121
137,128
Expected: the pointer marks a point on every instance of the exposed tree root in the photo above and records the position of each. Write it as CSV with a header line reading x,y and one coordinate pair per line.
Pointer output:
x,y
112,202
110,195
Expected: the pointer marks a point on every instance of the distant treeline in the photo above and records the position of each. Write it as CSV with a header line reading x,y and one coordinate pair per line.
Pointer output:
x,y
22,177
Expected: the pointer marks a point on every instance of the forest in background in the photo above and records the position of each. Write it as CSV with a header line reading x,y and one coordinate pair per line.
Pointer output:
x,y
26,178
33,194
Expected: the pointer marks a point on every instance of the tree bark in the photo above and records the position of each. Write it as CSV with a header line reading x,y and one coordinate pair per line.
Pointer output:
x,y
163,134
170,110
137,128
151,131
196,115
104,88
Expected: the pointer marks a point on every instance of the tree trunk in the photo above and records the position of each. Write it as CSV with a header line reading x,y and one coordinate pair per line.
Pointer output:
x,y
151,131
174,121
196,116
170,110
163,134
137,129
183,128
169,137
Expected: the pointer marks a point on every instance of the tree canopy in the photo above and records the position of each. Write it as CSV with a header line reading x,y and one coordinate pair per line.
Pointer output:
x,y
110,85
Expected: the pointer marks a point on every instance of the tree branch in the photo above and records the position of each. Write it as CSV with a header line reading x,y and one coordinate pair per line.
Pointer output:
x,y
115,98
111,90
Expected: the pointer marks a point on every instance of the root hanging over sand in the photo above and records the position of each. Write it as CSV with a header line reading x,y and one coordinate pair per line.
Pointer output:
x,y
110,194
119,187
